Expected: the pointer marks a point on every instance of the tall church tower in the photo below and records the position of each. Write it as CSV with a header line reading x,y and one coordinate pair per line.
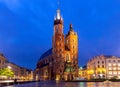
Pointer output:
x,y
72,44
58,47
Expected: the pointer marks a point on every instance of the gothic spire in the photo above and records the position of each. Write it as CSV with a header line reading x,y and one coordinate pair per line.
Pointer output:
x,y
71,27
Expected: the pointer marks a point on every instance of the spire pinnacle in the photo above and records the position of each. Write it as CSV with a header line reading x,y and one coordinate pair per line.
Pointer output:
x,y
58,14
71,27
58,11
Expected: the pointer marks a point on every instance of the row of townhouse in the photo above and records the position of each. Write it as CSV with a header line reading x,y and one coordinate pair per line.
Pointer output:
x,y
20,73
102,66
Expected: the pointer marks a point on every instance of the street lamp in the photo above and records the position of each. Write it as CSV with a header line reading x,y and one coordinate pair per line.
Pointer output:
x,y
9,67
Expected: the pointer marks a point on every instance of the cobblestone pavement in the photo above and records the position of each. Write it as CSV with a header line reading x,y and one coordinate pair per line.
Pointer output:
x,y
67,84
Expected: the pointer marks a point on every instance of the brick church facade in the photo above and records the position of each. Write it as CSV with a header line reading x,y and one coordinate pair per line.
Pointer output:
x,y
61,61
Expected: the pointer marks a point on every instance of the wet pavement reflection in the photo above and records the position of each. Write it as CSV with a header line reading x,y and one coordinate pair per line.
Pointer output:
x,y
67,84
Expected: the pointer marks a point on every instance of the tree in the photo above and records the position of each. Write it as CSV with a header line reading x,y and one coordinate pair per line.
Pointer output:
x,y
6,72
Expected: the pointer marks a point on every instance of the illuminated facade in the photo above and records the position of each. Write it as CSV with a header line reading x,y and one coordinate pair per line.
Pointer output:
x,y
96,67
102,66
61,61
113,67
20,72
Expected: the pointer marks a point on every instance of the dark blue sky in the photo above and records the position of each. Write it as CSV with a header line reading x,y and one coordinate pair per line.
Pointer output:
x,y
26,28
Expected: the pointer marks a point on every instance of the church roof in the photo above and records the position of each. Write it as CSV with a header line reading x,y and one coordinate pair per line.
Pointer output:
x,y
47,53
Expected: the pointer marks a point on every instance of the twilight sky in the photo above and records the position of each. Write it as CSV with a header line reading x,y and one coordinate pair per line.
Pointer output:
x,y
26,28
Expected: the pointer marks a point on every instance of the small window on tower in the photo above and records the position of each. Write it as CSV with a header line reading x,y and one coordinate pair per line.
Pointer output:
x,y
60,39
73,40
67,41
56,28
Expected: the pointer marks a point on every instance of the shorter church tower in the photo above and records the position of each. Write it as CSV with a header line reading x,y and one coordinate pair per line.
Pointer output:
x,y
71,43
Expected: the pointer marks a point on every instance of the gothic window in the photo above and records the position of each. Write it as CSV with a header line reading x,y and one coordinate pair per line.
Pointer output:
x,y
73,46
60,50
67,41
60,55
67,57
60,39
73,40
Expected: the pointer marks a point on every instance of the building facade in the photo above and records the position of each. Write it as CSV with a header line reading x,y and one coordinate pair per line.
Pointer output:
x,y
104,67
3,61
113,67
96,67
20,73
61,61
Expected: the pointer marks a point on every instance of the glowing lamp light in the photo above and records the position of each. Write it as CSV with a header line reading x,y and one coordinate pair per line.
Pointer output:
x,y
9,67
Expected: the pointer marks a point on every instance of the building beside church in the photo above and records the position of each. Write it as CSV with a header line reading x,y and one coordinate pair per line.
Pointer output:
x,y
20,73
103,67
61,61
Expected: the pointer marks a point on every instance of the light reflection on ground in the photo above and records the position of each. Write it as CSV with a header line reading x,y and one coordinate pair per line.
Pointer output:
x,y
68,84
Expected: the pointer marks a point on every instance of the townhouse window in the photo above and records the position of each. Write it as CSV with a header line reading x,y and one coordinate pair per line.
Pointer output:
x,y
118,68
114,68
114,72
118,64
102,66
118,60
98,62
119,72
109,64
110,72
102,61
114,64
109,61
114,61
110,68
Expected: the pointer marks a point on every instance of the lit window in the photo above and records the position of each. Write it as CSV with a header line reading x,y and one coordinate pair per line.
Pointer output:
x,y
114,72
109,64
119,72
118,68
114,64
110,72
114,68
118,64
110,68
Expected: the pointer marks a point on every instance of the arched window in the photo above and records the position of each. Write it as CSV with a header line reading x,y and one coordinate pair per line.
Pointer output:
x,y
67,57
